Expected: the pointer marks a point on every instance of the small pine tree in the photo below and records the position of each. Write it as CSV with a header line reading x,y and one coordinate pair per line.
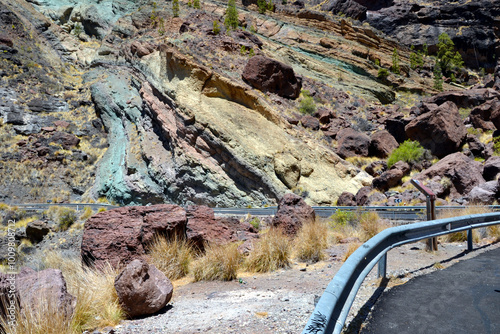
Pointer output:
x,y
395,62
216,28
251,53
438,77
175,8
243,50
231,21
447,57
262,4
196,4
190,4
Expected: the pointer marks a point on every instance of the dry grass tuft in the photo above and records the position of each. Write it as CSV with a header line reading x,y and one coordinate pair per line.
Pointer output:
x,y
352,248
97,302
462,236
273,251
171,256
45,319
220,262
311,241
371,225
494,232
361,225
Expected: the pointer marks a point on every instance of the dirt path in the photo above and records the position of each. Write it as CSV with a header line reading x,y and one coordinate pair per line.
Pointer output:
x,y
281,302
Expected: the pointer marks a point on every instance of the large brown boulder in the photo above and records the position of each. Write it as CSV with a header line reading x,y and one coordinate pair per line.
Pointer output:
x,y
203,228
292,213
270,75
482,116
441,131
36,230
463,172
468,98
36,289
382,144
362,195
491,168
346,199
484,193
121,235
349,8
142,289
352,143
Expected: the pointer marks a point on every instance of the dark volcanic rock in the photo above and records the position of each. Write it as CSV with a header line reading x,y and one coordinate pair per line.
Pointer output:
x,y
292,213
310,122
50,104
346,199
46,286
465,98
120,235
35,231
415,24
362,195
491,168
463,172
203,228
382,143
269,75
352,143
142,289
67,140
351,8
441,131
396,127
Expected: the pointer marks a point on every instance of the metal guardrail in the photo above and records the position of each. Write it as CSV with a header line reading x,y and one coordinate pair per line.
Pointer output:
x,y
77,206
333,307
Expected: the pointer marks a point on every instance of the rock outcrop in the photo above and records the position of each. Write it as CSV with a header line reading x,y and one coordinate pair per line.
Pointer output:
x,y
142,289
269,75
121,235
463,173
292,213
441,131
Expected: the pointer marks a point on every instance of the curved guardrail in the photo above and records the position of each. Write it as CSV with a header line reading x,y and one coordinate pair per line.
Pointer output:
x,y
333,307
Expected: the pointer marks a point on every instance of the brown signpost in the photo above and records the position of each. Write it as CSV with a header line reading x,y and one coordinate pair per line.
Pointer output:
x,y
431,209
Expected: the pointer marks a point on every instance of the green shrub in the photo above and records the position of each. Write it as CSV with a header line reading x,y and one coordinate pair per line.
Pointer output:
x,y
438,77
251,53
216,28
306,104
343,217
262,4
409,151
395,62
196,4
66,218
383,73
231,21
175,8
496,145
243,50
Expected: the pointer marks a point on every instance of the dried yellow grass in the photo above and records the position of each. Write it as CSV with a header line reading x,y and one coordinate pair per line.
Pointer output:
x,y
97,303
220,262
462,236
273,251
311,241
171,256
351,249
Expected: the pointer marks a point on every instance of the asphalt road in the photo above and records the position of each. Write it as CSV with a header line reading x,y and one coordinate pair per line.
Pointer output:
x,y
463,298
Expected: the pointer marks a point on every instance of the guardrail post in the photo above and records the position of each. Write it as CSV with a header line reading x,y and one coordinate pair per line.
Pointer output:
x,y
431,210
382,266
470,246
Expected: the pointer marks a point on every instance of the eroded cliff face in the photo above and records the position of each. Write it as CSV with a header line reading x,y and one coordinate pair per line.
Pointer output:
x,y
119,99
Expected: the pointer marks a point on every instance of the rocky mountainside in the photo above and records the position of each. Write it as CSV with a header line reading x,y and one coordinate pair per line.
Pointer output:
x,y
133,102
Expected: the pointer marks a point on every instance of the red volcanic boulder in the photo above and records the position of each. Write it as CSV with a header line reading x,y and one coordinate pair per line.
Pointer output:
x,y
310,122
121,235
346,199
484,193
392,177
36,230
269,75
491,168
292,213
382,144
465,98
441,131
463,172
362,195
67,140
142,289
142,49
36,289
203,227
486,116
352,143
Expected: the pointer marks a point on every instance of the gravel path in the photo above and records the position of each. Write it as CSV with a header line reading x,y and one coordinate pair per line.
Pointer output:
x,y
281,302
